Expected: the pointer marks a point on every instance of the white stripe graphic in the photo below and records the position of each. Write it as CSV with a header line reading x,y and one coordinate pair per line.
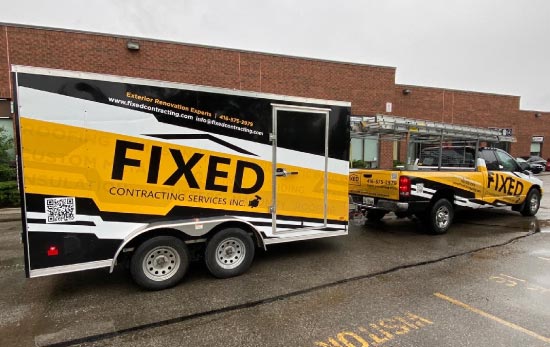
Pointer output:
x,y
102,229
114,119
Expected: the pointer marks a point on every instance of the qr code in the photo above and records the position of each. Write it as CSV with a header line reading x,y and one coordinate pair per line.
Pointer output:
x,y
59,210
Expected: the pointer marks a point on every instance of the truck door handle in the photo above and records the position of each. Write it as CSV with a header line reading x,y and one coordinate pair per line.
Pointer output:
x,y
283,173
367,175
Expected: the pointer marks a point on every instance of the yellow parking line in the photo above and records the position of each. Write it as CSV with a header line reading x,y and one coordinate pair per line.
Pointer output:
x,y
490,316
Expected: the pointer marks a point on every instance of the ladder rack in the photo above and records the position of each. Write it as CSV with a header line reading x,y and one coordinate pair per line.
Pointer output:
x,y
395,128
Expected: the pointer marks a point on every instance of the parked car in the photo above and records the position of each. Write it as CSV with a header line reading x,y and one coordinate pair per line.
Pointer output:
x,y
535,159
533,167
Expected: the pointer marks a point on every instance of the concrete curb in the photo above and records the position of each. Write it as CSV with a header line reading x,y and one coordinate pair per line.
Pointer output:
x,y
10,214
10,219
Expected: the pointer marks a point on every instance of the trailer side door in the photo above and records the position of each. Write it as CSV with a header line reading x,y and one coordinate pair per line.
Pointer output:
x,y
300,166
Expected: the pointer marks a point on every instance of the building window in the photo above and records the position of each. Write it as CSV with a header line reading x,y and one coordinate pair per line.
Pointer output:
x,y
536,148
536,145
364,152
505,146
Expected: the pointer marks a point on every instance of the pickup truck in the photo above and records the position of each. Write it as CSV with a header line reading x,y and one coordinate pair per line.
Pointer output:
x,y
432,193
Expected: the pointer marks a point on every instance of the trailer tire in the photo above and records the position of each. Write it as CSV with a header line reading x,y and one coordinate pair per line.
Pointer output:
x,y
439,217
159,263
375,215
532,203
229,253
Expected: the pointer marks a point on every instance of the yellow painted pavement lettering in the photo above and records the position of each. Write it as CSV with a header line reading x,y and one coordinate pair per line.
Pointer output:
x,y
403,320
419,321
503,280
511,281
396,329
331,343
377,339
343,337
494,318
378,333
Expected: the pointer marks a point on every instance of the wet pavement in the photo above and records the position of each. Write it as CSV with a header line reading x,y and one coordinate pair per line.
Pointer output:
x,y
485,283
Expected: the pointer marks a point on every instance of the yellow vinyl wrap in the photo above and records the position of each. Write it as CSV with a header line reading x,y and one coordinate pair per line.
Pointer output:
x,y
62,160
375,183
488,186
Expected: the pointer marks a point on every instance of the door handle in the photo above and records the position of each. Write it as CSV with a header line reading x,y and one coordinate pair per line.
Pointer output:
x,y
283,173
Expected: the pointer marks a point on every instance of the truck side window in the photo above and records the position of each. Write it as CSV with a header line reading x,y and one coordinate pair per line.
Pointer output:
x,y
508,163
490,160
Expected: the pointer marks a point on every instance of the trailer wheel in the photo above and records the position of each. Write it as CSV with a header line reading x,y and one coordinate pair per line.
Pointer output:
x,y
375,215
532,203
440,216
160,262
229,253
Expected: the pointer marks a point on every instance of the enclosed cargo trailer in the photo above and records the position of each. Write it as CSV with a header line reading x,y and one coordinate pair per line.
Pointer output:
x,y
115,168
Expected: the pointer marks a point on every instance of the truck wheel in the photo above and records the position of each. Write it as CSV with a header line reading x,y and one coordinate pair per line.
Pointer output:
x,y
440,217
375,215
532,203
229,253
160,262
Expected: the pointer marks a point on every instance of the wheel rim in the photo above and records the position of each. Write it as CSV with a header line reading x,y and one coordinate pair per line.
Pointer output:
x,y
442,217
230,253
534,203
161,263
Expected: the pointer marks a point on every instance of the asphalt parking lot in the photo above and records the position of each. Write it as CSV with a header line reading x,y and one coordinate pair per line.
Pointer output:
x,y
485,283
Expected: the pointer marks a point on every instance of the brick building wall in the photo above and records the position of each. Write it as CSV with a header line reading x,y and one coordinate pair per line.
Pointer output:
x,y
4,65
527,124
386,154
475,109
367,87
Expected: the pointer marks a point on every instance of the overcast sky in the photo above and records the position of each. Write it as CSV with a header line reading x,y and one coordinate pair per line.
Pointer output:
x,y
495,46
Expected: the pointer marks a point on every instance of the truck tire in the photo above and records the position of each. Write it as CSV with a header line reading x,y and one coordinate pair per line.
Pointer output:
x,y
375,215
229,253
532,203
159,263
440,216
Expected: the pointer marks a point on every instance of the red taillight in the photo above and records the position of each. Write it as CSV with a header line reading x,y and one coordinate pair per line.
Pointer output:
x,y
404,186
53,251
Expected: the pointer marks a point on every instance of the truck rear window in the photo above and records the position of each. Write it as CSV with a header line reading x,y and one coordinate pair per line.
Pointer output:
x,y
450,157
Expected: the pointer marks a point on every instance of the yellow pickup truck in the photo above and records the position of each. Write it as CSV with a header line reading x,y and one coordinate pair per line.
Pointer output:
x,y
432,193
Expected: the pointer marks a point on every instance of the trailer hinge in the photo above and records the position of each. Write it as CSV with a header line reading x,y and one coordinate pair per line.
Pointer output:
x,y
271,209
272,137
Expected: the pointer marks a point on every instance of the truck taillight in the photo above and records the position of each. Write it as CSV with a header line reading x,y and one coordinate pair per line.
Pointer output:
x,y
404,186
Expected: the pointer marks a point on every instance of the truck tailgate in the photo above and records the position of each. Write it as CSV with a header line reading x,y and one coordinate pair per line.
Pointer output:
x,y
375,183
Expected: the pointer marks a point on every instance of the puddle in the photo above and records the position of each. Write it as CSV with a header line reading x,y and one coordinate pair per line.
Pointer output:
x,y
543,226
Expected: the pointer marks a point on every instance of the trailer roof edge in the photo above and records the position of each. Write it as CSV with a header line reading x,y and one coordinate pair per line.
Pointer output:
x,y
167,84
